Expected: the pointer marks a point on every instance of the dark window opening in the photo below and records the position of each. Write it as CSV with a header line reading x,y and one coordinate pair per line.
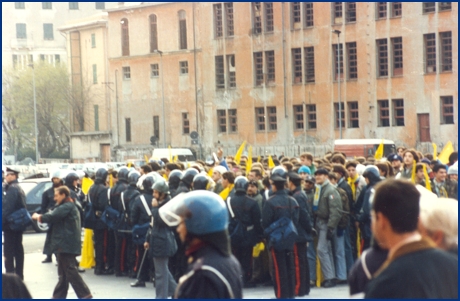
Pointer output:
x,y
308,14
153,33
398,112
222,121
446,51
384,113
220,76
447,110
124,37
128,129
430,53
272,118
260,119
397,44
298,117
218,27
309,53
353,115
182,30
382,57
233,126
185,124
339,115
297,65
352,60
311,117
338,56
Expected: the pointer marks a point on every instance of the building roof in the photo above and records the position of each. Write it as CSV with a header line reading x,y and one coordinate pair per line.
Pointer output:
x,y
96,20
132,5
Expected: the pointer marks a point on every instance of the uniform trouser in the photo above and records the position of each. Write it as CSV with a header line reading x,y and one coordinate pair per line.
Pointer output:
x,y
339,256
131,255
324,251
302,272
311,255
104,246
244,256
121,254
68,273
165,285
260,271
284,272
144,266
13,252
348,249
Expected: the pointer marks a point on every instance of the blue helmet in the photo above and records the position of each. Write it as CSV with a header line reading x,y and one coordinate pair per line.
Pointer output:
x,y
204,212
200,182
101,174
188,175
278,174
241,184
133,177
174,178
70,178
123,174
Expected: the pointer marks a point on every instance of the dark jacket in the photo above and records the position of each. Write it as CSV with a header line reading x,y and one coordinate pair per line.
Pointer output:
x,y
329,206
129,195
450,186
98,196
47,200
181,188
13,199
199,282
115,195
310,196
138,214
305,221
364,216
345,186
280,204
65,229
248,212
161,237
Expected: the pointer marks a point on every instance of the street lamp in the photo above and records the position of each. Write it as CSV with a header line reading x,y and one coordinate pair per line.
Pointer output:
x,y
338,79
162,95
37,155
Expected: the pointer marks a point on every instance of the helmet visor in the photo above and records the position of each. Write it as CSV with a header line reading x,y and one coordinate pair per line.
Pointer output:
x,y
174,211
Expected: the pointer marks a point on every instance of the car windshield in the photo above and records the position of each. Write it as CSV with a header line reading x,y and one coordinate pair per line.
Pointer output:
x,y
27,186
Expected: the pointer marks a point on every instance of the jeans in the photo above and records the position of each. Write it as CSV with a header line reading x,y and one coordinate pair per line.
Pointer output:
x,y
324,250
348,249
311,255
164,281
339,256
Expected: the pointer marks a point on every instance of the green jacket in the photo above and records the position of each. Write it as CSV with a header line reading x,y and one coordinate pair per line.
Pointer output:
x,y
329,206
65,228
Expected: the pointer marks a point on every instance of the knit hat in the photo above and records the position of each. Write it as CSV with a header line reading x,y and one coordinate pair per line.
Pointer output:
x,y
220,169
453,170
305,169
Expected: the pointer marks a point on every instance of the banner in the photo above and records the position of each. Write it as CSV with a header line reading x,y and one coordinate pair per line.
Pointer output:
x,y
239,153
379,152
445,153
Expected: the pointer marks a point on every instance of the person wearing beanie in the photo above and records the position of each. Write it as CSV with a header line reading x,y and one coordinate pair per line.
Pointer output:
x,y
452,172
304,171
217,173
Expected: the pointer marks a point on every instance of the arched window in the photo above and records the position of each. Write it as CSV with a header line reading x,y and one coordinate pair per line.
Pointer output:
x,y
182,30
153,33
124,37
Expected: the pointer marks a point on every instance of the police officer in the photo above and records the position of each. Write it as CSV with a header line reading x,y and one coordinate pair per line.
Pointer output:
x,y
13,199
48,204
213,272
245,210
186,180
173,181
280,204
200,182
129,195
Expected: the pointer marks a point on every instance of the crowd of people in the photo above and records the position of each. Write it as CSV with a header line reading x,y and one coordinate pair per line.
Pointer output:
x,y
350,217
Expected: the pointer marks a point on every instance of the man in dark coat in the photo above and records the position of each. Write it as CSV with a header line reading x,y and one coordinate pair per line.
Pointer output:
x,y
66,243
414,268
129,195
13,199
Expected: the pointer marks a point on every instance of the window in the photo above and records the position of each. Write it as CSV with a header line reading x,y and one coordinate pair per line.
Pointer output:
x,y
262,23
124,37
447,110
50,58
94,74
384,113
298,117
398,112
382,57
295,15
297,65
397,55
381,10
222,121
47,5
19,5
153,33
257,18
258,68
430,52
21,31
218,27
154,70
233,126
183,67
48,31
128,129
396,9
260,119
96,117
270,66
22,60
352,57
156,126
100,5
73,5
353,115
182,30
311,117
338,57
229,19
272,118
429,7
339,114
446,51
185,124
308,16
57,58
337,13
231,71
309,54
93,40
444,6
350,12
126,73
220,73
268,16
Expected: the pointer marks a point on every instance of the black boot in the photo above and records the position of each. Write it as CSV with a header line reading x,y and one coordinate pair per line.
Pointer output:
x,y
138,283
47,259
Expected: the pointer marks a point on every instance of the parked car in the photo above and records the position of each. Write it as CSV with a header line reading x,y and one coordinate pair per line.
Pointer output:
x,y
33,189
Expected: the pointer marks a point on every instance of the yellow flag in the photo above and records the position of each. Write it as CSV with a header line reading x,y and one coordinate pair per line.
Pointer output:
x,y
271,164
224,194
87,253
170,156
129,164
239,153
210,172
110,181
435,151
258,158
249,163
412,177
86,184
175,159
165,177
146,159
427,178
257,249
445,153
379,152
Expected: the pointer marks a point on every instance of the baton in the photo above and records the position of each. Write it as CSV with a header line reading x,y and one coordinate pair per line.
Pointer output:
x,y
142,263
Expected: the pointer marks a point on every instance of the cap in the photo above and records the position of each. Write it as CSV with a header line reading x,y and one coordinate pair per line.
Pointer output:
x,y
322,171
310,179
12,170
294,176
394,157
425,160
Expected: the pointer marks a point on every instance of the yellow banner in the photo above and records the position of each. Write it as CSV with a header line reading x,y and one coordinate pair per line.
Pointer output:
x,y
249,162
239,153
170,155
110,181
86,184
445,153
435,151
271,164
87,252
146,159
379,152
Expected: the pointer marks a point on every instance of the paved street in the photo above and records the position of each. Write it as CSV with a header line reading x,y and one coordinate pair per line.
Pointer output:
x,y
41,278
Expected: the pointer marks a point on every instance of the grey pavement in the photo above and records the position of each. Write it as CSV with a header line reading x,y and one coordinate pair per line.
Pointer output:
x,y
41,278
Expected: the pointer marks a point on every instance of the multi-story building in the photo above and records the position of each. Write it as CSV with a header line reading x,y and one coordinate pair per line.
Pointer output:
x,y
285,77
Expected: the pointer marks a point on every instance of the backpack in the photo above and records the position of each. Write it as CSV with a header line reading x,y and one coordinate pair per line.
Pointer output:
x,y
345,209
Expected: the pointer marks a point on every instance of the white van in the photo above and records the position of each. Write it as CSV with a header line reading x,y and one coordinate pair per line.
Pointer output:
x,y
363,147
184,155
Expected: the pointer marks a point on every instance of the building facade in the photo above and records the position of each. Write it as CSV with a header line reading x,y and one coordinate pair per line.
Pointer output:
x,y
285,77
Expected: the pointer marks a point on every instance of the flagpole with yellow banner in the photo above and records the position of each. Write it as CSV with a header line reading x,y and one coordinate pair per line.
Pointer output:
x,y
445,153
237,158
379,152
271,164
146,159
435,151
170,154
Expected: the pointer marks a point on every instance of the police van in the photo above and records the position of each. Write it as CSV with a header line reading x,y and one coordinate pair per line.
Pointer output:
x,y
184,155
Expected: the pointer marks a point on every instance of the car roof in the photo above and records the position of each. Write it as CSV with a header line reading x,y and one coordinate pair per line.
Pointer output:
x,y
38,180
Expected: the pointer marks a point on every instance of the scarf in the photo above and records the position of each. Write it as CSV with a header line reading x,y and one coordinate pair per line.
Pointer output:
x,y
352,182
440,189
317,195
224,194
412,177
427,178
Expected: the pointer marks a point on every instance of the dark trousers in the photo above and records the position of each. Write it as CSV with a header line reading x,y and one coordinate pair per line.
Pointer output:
x,y
178,262
104,246
131,252
261,270
244,256
68,273
121,255
13,252
284,273
302,270
142,266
